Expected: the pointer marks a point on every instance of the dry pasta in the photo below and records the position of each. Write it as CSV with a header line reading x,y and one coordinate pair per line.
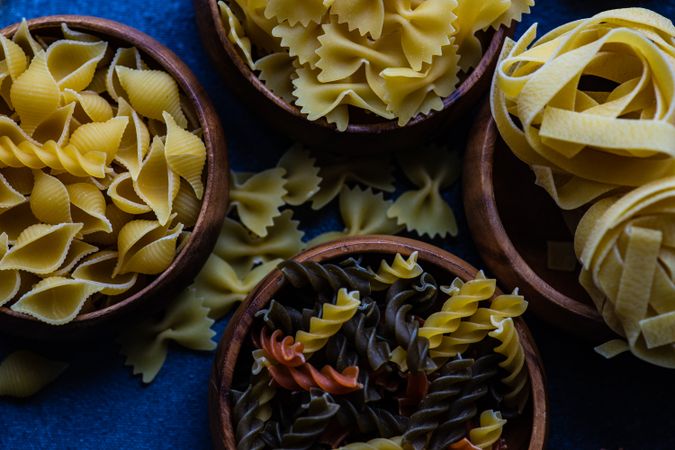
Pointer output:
x,y
393,59
100,173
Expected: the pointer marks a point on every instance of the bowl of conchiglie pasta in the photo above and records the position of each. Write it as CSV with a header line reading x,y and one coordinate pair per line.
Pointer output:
x,y
358,75
113,176
378,342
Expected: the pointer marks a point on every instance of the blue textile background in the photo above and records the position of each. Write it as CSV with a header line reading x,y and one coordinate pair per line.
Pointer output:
x,y
97,403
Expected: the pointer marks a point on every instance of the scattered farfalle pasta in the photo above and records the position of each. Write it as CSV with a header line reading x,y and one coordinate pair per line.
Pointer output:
x,y
392,59
346,318
100,173
594,104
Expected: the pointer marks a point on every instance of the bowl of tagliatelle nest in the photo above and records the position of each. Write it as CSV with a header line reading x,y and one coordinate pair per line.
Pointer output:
x,y
572,179
365,75
378,342
113,177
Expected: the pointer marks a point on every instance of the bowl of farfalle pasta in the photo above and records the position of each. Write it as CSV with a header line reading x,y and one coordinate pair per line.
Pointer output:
x,y
378,342
113,177
358,75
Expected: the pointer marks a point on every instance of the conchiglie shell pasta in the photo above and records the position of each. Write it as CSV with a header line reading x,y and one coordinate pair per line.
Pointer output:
x,y
151,93
186,205
9,197
89,106
88,208
14,57
146,247
41,249
186,154
100,137
50,201
25,40
98,270
10,280
118,219
123,194
73,63
56,300
135,140
35,94
17,219
124,57
157,184
57,126
78,250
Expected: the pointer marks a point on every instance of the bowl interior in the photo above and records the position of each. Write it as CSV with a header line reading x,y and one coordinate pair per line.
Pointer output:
x,y
363,122
527,431
513,221
204,234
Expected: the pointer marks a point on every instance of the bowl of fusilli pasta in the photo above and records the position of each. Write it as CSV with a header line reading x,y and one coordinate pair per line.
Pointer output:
x,y
113,177
378,342
355,76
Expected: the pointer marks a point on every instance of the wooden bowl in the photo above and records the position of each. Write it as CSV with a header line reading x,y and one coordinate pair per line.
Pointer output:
x,y
527,432
187,264
379,136
511,220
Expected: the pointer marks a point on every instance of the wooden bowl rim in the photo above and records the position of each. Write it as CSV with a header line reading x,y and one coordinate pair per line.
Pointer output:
x,y
486,133
229,348
216,185
379,127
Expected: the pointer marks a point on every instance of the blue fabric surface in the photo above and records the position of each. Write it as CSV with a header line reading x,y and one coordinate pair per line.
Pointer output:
x,y
97,403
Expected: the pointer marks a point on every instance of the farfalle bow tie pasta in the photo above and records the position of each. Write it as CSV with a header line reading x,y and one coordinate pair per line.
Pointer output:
x,y
594,103
100,176
393,58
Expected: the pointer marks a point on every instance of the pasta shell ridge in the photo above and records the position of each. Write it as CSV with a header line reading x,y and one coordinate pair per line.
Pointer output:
x,y
41,249
88,208
98,269
55,300
185,153
73,63
157,184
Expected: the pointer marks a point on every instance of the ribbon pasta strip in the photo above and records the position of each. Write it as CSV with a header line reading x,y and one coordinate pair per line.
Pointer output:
x,y
594,101
392,59
627,247
99,167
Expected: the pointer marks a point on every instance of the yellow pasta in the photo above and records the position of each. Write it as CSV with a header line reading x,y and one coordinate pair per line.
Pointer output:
x,y
517,380
489,431
399,269
40,249
10,280
98,270
332,318
55,300
23,373
566,133
35,94
396,59
185,153
626,247
87,204
157,185
73,63
259,198
151,93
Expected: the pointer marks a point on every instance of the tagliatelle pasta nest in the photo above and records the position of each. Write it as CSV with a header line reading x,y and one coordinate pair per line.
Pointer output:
x,y
627,247
394,59
100,173
594,102
591,108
